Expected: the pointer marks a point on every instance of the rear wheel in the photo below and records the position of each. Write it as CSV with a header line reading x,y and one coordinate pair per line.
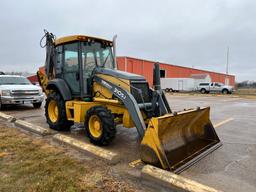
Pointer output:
x,y
203,91
99,125
37,105
225,91
55,112
167,90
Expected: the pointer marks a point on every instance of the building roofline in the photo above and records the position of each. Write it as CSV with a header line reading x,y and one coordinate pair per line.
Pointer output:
x,y
176,65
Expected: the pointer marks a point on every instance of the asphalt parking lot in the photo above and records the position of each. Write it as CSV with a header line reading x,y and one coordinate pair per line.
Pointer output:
x,y
229,168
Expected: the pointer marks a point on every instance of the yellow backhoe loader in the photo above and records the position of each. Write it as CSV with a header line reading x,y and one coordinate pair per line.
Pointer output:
x,y
82,85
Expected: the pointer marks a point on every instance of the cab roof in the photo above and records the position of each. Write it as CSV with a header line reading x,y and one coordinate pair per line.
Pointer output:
x,y
71,38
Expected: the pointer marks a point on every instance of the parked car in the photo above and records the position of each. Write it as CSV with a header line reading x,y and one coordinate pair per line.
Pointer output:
x,y
215,87
19,90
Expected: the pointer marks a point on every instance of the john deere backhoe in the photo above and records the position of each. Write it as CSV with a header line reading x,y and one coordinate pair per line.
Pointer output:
x,y
83,86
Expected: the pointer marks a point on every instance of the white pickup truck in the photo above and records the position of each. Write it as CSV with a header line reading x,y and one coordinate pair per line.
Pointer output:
x,y
215,87
19,90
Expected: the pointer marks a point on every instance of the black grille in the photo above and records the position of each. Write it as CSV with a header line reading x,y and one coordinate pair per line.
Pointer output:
x,y
24,92
140,87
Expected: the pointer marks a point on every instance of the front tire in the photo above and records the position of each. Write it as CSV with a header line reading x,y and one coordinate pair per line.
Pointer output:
x,y
55,112
99,125
37,105
2,106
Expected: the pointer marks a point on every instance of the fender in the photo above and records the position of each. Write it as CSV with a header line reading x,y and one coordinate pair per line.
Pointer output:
x,y
61,86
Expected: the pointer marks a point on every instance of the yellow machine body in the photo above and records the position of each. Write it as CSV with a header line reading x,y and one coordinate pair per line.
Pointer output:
x,y
173,141
79,108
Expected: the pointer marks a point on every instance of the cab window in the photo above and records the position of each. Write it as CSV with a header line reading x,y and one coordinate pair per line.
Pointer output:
x,y
71,67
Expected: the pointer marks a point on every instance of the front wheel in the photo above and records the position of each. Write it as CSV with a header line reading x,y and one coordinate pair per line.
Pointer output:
x,y
99,125
55,112
37,105
2,106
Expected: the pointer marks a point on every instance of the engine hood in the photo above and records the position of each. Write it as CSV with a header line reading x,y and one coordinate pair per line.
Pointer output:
x,y
19,87
119,74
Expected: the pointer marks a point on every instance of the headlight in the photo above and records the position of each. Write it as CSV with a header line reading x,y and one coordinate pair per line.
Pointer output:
x,y
40,92
6,92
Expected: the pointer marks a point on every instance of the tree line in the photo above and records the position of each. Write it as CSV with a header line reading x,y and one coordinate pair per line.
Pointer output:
x,y
246,84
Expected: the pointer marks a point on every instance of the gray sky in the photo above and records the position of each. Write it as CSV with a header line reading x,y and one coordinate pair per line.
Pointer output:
x,y
189,33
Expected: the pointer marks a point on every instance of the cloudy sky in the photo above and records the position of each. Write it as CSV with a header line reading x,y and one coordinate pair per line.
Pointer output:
x,y
182,32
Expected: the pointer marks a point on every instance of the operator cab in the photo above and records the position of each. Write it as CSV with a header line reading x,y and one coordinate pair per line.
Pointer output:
x,y
77,57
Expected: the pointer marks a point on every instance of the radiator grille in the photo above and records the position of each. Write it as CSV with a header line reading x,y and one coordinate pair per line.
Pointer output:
x,y
24,92
142,87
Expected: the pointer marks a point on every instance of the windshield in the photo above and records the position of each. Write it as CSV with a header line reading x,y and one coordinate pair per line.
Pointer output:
x,y
14,81
96,54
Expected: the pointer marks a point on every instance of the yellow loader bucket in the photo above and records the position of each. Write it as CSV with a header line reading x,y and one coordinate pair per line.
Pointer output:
x,y
176,141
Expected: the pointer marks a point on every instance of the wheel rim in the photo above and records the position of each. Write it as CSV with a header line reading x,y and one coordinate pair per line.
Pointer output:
x,y
53,111
95,127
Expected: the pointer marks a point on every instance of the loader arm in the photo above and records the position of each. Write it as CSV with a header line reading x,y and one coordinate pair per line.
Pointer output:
x,y
159,103
129,102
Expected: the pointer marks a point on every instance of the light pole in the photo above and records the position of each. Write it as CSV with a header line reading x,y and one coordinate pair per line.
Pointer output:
x,y
227,79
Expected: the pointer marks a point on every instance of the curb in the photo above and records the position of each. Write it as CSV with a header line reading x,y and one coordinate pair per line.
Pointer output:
x,y
173,181
97,152
32,128
6,117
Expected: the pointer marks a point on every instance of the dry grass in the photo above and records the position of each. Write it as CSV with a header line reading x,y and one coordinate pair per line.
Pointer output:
x,y
30,164
246,91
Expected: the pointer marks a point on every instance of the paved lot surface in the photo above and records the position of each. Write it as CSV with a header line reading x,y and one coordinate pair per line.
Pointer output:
x,y
230,168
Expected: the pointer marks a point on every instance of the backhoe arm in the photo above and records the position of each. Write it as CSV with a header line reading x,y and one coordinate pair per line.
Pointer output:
x,y
43,81
49,74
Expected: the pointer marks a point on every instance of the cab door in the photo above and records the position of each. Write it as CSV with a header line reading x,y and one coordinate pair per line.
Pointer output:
x,y
89,59
217,87
71,67
211,87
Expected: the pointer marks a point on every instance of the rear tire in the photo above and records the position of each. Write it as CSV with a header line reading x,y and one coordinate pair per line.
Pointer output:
x,y
37,105
167,90
99,125
203,91
55,112
225,91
